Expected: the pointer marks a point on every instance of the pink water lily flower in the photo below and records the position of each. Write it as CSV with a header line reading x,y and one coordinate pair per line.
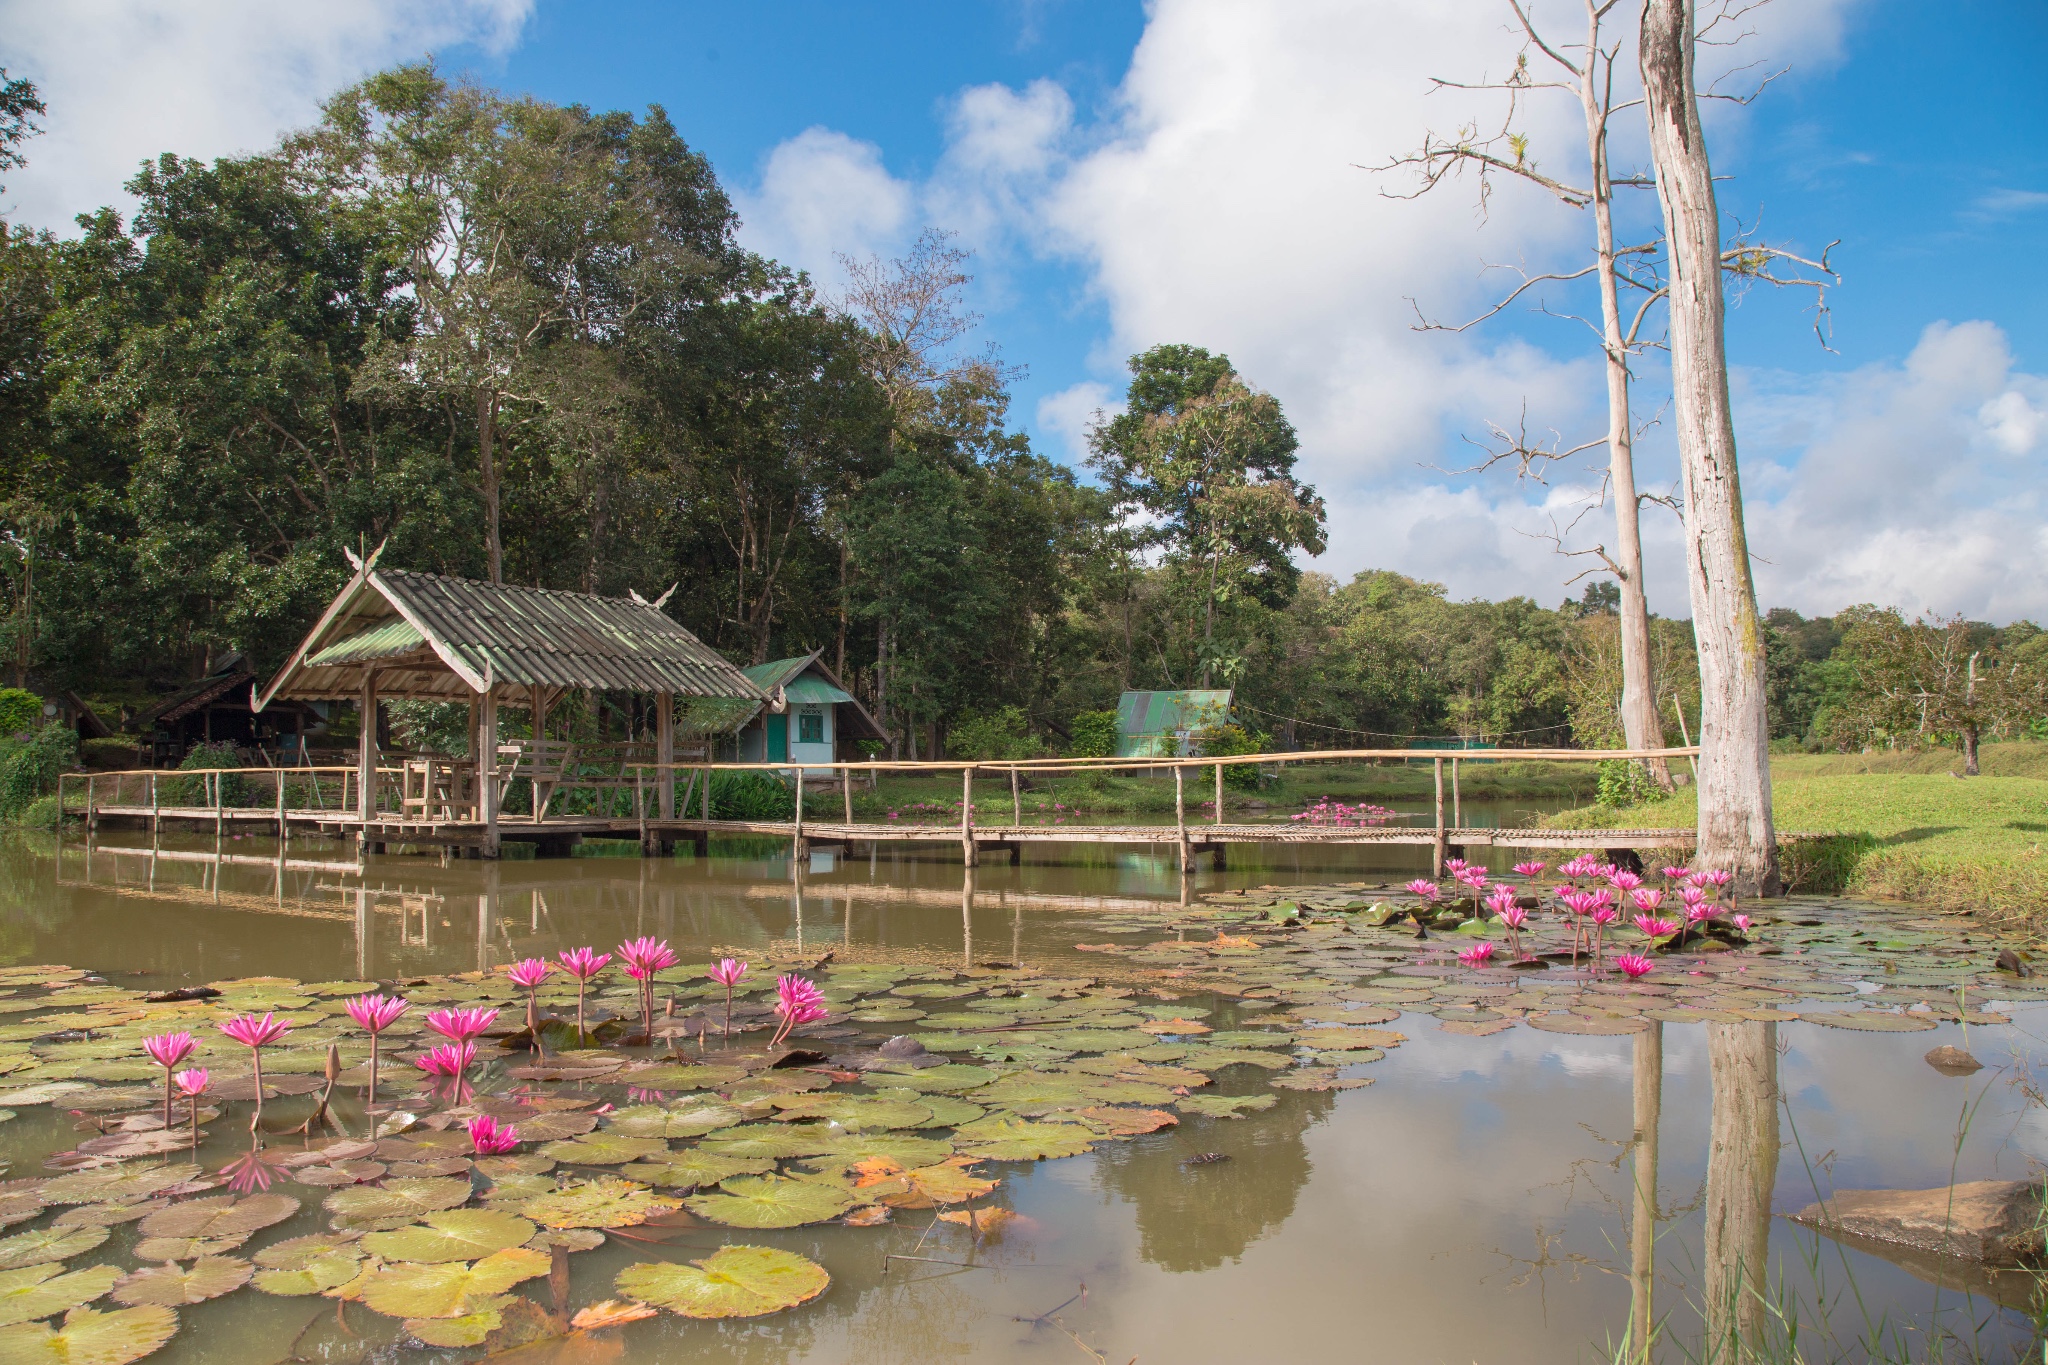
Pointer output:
x,y
1623,879
1529,869
1476,955
491,1138
449,1061
169,1051
799,1002
1742,923
583,964
1634,965
1424,889
1694,914
190,1084
256,1034
530,973
1677,874
460,1026
727,974
643,958
1454,865
373,1014
1648,899
1653,927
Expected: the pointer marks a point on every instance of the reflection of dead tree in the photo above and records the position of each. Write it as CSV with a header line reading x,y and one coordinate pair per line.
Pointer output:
x,y
1587,72
1742,1170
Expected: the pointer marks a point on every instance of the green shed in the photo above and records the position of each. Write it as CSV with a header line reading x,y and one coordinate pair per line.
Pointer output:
x,y
1157,724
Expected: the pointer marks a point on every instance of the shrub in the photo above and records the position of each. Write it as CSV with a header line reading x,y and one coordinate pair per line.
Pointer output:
x,y
750,796
29,768
998,734
20,711
41,813
1228,741
1094,735
1624,783
192,791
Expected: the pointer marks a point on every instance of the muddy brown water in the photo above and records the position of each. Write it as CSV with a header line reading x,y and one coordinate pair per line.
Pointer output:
x,y
1475,1203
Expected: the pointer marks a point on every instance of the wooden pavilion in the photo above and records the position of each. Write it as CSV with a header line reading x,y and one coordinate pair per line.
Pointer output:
x,y
396,635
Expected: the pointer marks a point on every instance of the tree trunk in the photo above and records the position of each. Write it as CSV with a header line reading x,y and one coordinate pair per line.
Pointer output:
x,y
1970,751
487,475
1641,725
1642,1243
1735,829
1742,1170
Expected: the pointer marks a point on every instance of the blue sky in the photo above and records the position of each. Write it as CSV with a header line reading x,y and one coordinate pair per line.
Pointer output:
x,y
1187,171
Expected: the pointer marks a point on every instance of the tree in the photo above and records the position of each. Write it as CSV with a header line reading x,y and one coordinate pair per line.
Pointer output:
x,y
1735,829
19,105
1937,678
1207,463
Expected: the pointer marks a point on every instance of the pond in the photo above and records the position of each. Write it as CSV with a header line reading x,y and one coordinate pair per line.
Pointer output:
x,y
1428,1160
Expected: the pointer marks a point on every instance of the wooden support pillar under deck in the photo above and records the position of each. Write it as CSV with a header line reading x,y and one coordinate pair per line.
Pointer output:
x,y
487,770
968,852
366,759
1180,819
1437,847
665,750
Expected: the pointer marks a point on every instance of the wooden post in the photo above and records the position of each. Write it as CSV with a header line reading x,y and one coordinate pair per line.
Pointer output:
x,y
1016,800
846,790
967,849
1219,793
707,801
796,846
640,805
279,775
1438,846
366,753
219,814
1457,801
153,816
487,770
91,802
665,750
1180,815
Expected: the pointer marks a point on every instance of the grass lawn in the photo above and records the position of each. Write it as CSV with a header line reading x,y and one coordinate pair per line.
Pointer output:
x,y
1909,829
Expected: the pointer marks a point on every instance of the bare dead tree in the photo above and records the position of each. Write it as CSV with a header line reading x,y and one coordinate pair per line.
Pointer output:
x,y
1629,278
1735,828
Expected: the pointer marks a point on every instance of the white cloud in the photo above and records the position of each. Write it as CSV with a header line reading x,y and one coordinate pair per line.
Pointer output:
x,y
1913,484
1069,414
127,79
821,194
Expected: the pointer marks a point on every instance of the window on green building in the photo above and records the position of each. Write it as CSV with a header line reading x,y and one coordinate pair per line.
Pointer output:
x,y
810,728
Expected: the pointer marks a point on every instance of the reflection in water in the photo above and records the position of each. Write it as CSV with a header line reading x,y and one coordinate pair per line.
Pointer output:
x,y
1198,1217
1742,1171
1648,1075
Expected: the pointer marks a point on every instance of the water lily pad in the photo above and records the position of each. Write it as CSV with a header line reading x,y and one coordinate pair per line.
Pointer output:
x,y
949,1182
451,1290
683,1077
114,1186
695,1168
519,1163
603,1203
453,1235
1129,1122
548,1127
1007,1139
771,1201
406,1199
89,1338
683,1121
48,1244
295,1252
733,1282
468,1330
18,1206
951,1078
606,1148
853,1111
220,1217
1578,1023
1871,1021
38,1291
208,1278
768,1140
186,1248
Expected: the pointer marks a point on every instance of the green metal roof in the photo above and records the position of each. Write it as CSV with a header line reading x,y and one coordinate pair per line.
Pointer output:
x,y
385,640
1148,724
815,690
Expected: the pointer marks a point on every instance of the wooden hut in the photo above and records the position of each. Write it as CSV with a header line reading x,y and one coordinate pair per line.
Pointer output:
x,y
390,634
806,717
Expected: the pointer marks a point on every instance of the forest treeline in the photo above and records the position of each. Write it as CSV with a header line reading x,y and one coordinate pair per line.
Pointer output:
x,y
520,341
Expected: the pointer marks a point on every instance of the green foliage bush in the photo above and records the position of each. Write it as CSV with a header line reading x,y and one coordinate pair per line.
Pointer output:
x,y
1229,741
999,734
750,796
1094,735
41,813
21,711
193,791
1624,783
29,767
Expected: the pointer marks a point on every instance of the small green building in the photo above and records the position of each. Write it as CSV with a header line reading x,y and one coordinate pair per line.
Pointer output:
x,y
1158,724
818,721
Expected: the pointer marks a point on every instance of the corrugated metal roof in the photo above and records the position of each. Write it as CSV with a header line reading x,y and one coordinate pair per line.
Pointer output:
x,y
814,691
464,633
777,672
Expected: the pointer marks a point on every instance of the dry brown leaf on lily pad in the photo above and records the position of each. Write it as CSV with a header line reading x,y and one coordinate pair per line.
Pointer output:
x,y
609,1313
89,1338
987,1224
867,1216
1127,1122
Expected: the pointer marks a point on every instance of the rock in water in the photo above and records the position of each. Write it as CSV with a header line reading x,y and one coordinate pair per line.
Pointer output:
x,y
2010,961
1993,1221
1953,1061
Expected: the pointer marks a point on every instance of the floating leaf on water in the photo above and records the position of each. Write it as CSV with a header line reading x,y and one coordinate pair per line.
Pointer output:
x,y
1579,1023
606,1202
453,1235
38,1291
548,1127
609,1313
1123,1122
186,1248
951,1078
453,1289
18,1206
45,1093
517,1163
222,1216
605,1148
770,1201
314,1275
208,1278
89,1338
105,1215
1871,1021
114,1186
576,1239
983,1223
899,1147
407,1199
341,1174
48,1244
668,1077
684,1121
295,1252
853,1111
1001,1139
1223,1106
468,1330
759,1140
1318,1078
733,1282
695,1168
